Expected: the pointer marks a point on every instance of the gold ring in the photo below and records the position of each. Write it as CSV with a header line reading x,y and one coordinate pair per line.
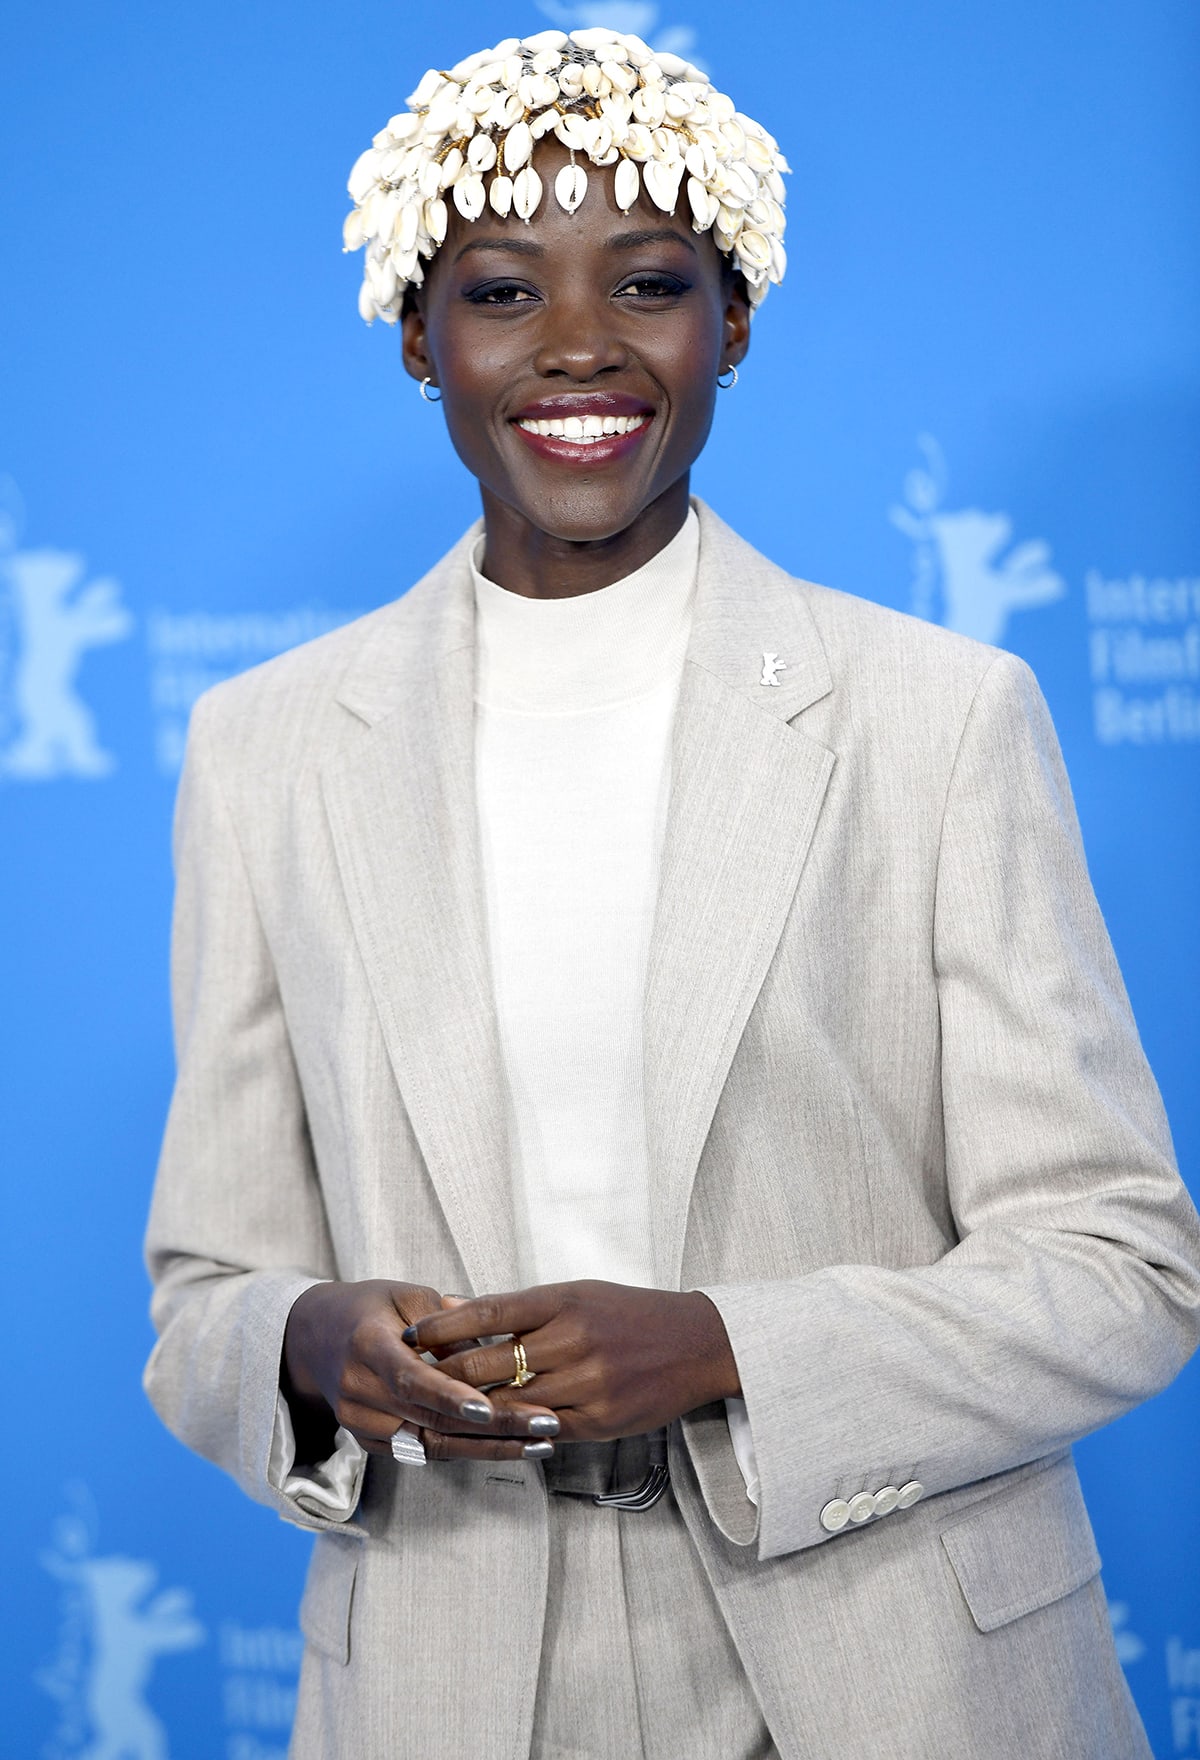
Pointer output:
x,y
524,1372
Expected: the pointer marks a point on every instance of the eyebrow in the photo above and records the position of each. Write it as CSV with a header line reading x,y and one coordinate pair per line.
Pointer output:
x,y
621,241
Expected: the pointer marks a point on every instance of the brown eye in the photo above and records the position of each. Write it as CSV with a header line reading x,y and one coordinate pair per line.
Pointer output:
x,y
652,286
499,293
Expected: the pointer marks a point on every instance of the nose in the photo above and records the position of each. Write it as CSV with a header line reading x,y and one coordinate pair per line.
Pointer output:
x,y
579,339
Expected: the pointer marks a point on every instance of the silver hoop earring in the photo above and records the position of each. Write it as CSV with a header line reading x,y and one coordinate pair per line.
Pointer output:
x,y
724,383
427,381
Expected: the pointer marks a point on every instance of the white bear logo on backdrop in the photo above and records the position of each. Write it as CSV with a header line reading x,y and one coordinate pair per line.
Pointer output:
x,y
112,1632
49,619
964,573
1143,629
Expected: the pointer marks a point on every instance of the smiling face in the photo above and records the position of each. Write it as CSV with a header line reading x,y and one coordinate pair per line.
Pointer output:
x,y
577,355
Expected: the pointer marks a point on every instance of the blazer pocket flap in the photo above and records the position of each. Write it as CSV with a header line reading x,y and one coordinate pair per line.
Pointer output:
x,y
328,1594
1024,1548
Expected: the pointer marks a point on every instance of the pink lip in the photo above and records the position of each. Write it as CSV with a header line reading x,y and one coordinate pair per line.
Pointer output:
x,y
583,403
596,452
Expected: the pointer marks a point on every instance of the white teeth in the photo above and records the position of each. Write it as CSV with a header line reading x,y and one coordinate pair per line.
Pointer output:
x,y
582,430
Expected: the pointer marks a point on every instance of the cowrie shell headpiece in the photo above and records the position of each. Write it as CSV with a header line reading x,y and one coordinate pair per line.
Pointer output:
x,y
468,137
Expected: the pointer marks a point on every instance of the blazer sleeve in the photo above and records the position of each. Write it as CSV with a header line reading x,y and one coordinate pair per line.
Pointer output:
x,y
1073,1292
237,1226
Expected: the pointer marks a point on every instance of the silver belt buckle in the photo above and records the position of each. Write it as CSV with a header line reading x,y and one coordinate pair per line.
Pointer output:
x,y
647,1494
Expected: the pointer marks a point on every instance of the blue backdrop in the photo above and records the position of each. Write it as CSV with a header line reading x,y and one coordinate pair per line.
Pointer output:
x,y
977,396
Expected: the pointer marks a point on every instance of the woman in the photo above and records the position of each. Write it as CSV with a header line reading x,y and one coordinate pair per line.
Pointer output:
x,y
703,958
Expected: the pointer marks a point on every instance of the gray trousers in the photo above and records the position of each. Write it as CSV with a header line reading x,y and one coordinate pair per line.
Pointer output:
x,y
637,1662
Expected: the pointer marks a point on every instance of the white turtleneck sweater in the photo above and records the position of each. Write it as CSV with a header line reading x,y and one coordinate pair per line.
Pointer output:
x,y
574,706
575,701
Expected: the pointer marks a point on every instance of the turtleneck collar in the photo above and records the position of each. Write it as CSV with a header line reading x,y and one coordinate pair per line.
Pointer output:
x,y
560,656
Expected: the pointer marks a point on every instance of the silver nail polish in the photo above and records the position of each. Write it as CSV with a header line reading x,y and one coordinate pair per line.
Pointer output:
x,y
544,1426
476,1411
538,1451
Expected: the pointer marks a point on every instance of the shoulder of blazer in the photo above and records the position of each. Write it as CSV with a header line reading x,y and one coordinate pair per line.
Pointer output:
x,y
878,663
865,638
282,706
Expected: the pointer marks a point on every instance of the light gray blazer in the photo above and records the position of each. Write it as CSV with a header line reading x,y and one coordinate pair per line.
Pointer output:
x,y
901,1130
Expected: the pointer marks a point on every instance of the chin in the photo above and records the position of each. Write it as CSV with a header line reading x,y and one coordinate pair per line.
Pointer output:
x,y
578,515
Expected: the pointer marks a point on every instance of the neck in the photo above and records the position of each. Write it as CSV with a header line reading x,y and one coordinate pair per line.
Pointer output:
x,y
523,559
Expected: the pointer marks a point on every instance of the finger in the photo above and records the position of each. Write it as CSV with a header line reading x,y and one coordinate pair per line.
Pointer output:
x,y
550,1392
373,1428
413,1382
519,1311
521,1421
487,1366
449,1350
395,1381
439,1447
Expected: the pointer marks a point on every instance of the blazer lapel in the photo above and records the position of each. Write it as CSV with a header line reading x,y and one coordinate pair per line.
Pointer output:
x,y
746,790
400,799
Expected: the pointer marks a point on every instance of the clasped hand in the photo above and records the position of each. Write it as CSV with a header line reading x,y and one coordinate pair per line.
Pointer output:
x,y
609,1360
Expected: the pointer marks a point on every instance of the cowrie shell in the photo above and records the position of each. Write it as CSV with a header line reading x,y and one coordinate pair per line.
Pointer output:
x,y
481,154
627,185
701,161
544,41
571,130
452,164
406,228
597,138
429,84
703,205
518,144
362,174
527,192
753,249
435,217
506,110
649,106
469,196
662,183
570,187
622,78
